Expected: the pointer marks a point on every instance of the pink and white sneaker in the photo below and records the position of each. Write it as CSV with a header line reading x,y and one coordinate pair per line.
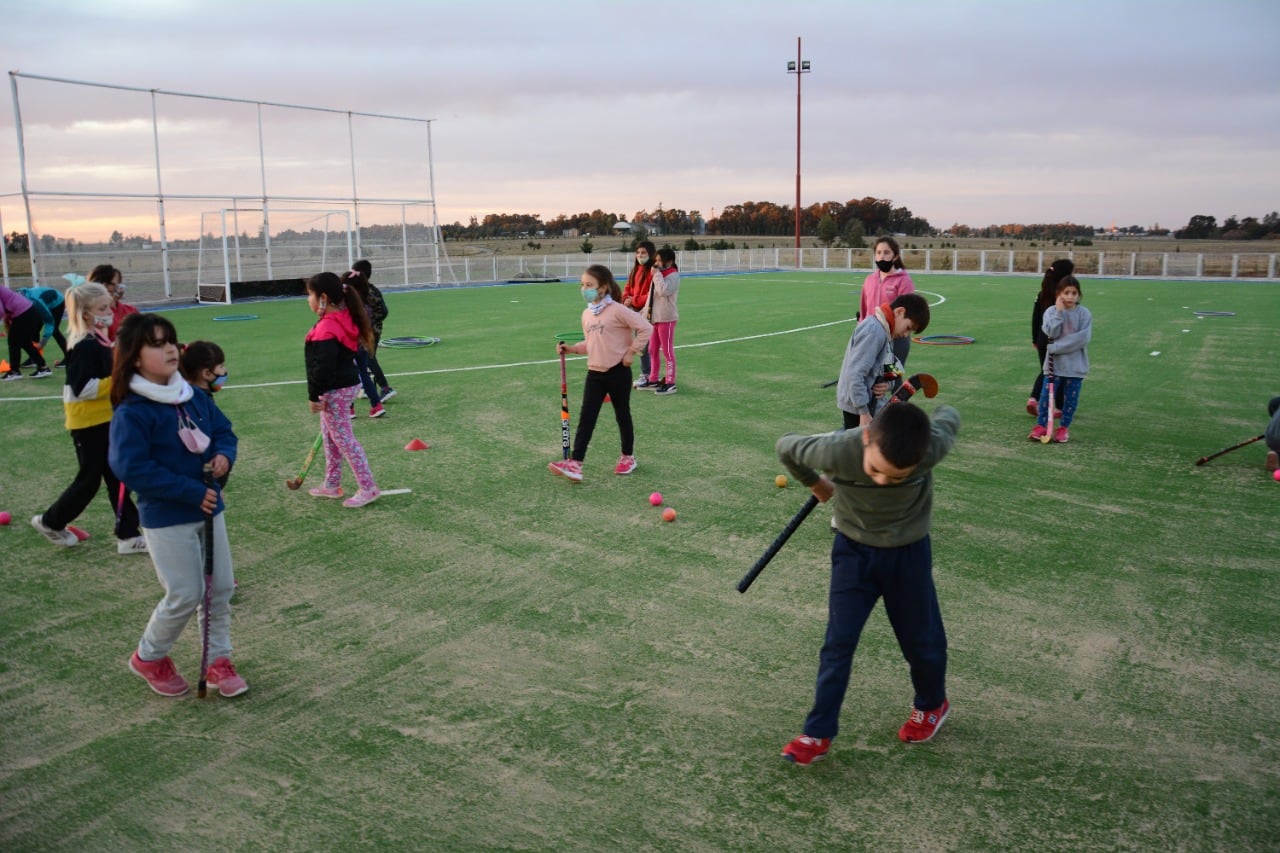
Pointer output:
x,y
626,464
326,492
1061,436
570,469
361,498
1038,433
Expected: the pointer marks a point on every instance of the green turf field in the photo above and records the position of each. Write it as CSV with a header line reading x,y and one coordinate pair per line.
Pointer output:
x,y
504,660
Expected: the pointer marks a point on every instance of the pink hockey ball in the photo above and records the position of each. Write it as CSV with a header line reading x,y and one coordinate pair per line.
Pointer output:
x,y
655,499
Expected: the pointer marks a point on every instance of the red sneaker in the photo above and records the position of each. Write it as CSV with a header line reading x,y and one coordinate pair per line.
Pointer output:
x,y
1061,436
159,674
626,464
1038,433
805,750
921,726
1033,406
222,675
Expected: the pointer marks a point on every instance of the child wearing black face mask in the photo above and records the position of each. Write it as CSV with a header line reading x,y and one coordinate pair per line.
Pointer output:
x,y
204,365
889,281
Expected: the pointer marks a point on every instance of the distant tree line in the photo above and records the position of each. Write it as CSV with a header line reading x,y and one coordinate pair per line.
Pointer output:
x,y
831,222
1202,227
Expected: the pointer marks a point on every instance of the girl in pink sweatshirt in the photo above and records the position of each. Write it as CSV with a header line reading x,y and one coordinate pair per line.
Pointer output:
x,y
613,336
887,283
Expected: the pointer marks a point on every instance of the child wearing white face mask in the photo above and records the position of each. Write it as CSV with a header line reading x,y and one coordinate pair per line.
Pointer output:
x,y
613,336
86,399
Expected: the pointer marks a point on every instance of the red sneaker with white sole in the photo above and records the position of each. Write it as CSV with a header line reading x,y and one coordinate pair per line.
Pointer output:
x,y
222,675
159,674
805,750
921,726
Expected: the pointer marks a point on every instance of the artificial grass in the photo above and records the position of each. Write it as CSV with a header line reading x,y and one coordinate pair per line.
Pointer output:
x,y
505,660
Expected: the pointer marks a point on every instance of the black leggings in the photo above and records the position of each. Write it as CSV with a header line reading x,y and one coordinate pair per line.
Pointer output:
x,y
24,331
91,452
616,382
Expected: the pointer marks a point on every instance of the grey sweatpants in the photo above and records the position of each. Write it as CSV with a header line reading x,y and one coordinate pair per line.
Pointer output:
x,y
178,554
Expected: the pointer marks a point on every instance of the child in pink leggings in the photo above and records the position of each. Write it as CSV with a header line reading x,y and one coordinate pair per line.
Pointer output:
x,y
332,381
662,302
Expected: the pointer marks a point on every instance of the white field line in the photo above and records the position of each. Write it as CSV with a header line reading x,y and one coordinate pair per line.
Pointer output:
x,y
540,362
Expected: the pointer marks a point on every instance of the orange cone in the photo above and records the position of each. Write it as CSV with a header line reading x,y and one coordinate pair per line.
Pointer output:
x,y
417,444
4,366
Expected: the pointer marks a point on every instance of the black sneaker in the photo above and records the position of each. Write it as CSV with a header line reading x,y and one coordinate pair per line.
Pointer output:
x,y
42,373
62,362
664,388
645,385
12,375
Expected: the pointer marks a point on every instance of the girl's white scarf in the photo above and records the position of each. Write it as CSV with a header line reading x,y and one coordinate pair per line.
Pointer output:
x,y
597,307
176,390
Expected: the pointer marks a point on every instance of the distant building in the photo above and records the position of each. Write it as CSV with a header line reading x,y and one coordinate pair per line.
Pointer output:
x,y
624,227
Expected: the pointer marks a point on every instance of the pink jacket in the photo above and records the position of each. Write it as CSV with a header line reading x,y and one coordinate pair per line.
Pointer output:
x,y
610,334
876,292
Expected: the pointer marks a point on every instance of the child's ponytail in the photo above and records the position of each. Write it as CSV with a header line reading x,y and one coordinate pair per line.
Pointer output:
x,y
344,292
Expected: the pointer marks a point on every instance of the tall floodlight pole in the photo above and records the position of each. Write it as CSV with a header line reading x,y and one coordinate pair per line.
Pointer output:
x,y
799,67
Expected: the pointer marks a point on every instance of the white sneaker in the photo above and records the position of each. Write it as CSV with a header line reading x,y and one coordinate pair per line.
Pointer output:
x,y
136,545
62,537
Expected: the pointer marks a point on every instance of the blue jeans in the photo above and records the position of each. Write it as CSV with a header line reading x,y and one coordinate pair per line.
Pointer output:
x,y
1065,388
362,368
860,575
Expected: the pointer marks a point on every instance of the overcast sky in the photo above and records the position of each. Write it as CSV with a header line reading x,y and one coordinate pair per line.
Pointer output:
x,y
968,111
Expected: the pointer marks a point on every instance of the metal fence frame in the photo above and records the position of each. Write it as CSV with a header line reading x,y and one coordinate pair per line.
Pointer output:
x,y
156,275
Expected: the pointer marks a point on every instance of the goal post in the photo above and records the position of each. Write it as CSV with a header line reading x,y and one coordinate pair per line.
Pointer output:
x,y
285,245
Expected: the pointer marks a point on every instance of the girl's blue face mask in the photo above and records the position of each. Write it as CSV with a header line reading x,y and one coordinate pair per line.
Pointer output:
x,y
218,382
590,294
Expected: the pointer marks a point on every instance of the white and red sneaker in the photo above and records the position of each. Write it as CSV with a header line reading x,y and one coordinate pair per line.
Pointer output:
x,y
626,464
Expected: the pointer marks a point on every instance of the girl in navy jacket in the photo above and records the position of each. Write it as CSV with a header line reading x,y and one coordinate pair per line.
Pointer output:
x,y
162,436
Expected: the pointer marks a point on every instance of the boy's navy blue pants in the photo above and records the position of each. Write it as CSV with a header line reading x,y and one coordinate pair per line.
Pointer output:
x,y
903,577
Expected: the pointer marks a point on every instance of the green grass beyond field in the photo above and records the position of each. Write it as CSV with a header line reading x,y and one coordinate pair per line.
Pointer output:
x,y
504,660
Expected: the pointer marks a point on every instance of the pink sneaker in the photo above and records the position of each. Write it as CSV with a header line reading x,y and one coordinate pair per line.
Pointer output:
x,y
626,464
222,675
805,750
326,492
377,411
361,498
1033,406
570,469
921,726
1038,433
159,674
1061,436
